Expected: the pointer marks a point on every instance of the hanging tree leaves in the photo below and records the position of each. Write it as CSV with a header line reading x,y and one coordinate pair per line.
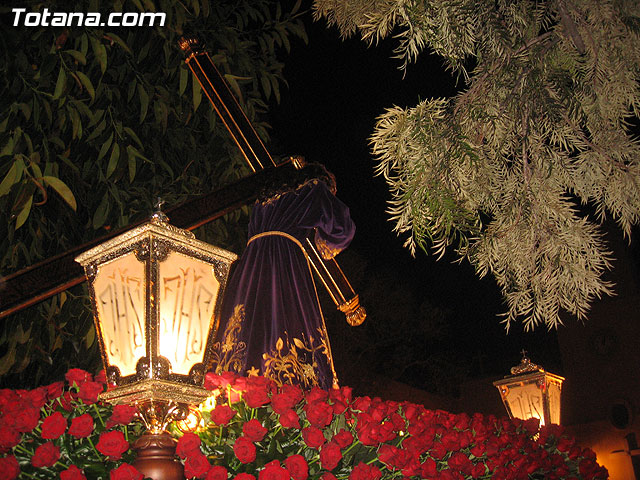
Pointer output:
x,y
517,171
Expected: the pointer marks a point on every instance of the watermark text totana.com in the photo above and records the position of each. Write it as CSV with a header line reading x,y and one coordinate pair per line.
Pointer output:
x,y
22,18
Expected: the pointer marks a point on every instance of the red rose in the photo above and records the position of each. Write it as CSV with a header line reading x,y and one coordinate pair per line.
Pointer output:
x,y
342,394
362,471
438,451
244,476
9,468
313,437
218,472
45,455
338,407
78,376
451,440
289,419
256,398
478,470
361,404
89,392
125,472
344,438
188,444
273,471
254,430
82,426
429,468
459,461
53,426
292,391
281,403
244,449
328,476
112,444
9,401
37,397
72,473
196,465
54,390
222,414
315,394
389,455
319,413
330,455
122,415
9,438
26,419
297,466
101,377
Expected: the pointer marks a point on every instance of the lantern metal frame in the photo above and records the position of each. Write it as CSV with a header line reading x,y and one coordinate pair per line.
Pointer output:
x,y
524,375
154,384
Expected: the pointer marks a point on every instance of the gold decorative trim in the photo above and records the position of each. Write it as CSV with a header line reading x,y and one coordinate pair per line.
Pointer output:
x,y
156,390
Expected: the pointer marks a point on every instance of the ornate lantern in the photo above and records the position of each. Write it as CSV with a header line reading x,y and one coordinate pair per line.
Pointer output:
x,y
530,392
155,292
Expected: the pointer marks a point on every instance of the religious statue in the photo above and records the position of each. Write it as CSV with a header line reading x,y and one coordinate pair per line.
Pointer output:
x,y
271,319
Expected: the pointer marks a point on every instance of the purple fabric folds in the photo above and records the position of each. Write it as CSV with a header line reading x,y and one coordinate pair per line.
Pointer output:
x,y
271,322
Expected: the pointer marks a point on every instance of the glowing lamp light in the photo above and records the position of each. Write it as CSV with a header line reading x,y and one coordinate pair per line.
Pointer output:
x,y
155,293
531,392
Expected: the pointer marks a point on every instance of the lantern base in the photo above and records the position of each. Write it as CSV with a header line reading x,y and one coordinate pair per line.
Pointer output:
x,y
152,389
156,457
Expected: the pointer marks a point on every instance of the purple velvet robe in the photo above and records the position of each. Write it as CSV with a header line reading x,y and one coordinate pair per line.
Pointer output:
x,y
271,321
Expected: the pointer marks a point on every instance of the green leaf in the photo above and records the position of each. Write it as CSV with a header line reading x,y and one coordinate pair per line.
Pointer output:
x,y
196,92
184,79
113,159
7,361
24,212
78,56
62,189
133,151
132,165
144,102
90,337
119,41
76,124
100,215
100,52
105,147
8,148
232,80
133,135
87,84
161,113
10,179
60,83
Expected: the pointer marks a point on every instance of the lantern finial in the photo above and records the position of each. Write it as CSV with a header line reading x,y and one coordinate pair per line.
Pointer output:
x,y
159,216
525,365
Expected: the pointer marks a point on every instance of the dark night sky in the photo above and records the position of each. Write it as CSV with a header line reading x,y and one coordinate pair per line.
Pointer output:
x,y
336,90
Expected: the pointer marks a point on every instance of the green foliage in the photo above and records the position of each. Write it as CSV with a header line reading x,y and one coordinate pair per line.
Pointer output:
x,y
517,170
96,123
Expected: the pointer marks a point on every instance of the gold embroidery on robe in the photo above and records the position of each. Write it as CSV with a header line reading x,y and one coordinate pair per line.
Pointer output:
x,y
228,353
297,362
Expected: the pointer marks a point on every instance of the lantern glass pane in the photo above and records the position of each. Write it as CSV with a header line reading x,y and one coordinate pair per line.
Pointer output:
x,y
554,390
188,292
120,300
526,400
